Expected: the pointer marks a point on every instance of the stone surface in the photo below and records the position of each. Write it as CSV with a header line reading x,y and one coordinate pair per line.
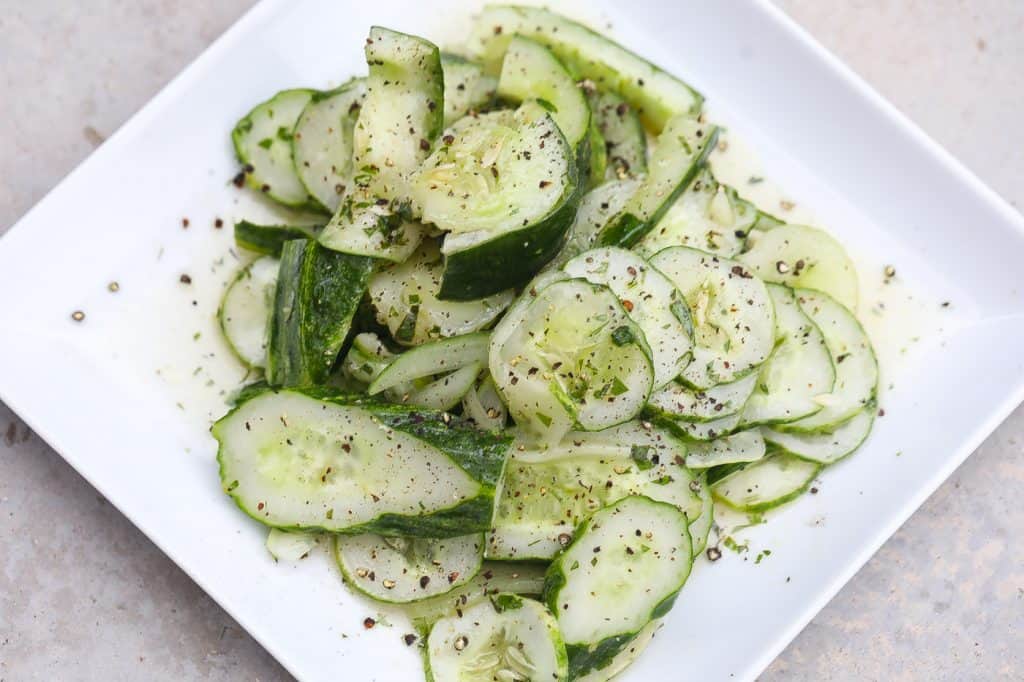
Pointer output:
x,y
83,595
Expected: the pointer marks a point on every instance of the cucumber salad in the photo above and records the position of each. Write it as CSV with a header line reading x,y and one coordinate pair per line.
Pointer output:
x,y
529,347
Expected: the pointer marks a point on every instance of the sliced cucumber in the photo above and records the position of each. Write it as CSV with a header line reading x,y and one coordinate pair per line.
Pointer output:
x,y
854,359
270,239
677,402
316,297
803,257
708,216
406,299
322,142
403,112
700,527
505,637
656,95
625,140
466,87
263,142
596,208
701,431
290,546
445,392
400,570
681,152
623,570
827,447
530,71
575,352
367,358
382,230
438,357
745,446
598,156
503,185
494,577
766,483
626,657
799,370
245,310
312,461
546,493
734,321
483,405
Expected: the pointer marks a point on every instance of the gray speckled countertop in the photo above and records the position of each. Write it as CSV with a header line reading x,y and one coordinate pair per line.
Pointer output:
x,y
84,595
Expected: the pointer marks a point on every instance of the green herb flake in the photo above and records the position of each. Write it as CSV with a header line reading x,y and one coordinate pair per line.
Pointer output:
x,y
641,454
623,335
506,602
265,143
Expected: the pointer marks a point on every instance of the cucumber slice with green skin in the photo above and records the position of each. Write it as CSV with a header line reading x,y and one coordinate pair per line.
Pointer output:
x,y
546,493
401,570
700,431
623,570
494,577
656,95
799,370
505,637
290,546
596,208
484,407
625,139
734,321
378,230
677,402
803,257
626,657
466,87
263,142
681,152
745,446
406,298
504,185
828,447
315,460
367,358
708,216
650,299
403,112
765,484
530,71
245,310
316,297
322,142
437,357
270,239
854,360
598,157
700,527
445,392
575,353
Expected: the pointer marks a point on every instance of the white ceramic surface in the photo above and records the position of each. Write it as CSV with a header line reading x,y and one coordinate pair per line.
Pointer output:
x,y
92,392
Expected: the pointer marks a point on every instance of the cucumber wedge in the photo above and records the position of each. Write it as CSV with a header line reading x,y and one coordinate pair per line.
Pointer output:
x,y
270,239
574,353
734,321
505,637
403,112
406,298
263,143
679,403
316,461
803,257
367,357
504,185
650,299
316,297
799,370
625,140
623,570
681,152
765,484
854,360
827,447
400,570
745,446
378,229
438,357
466,87
708,216
322,142
245,310
546,493
653,93
596,208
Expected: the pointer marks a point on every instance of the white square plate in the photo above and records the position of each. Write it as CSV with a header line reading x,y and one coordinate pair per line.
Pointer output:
x,y
126,396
